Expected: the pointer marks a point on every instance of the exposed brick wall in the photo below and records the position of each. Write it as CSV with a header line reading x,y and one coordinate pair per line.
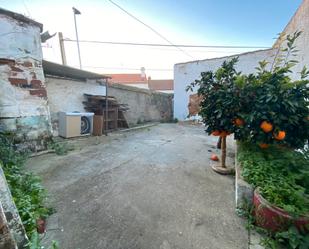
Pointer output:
x,y
194,104
24,75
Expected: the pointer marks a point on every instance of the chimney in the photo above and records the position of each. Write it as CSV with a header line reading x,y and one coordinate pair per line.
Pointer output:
x,y
143,74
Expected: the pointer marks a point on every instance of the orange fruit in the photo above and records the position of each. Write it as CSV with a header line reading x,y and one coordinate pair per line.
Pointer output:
x,y
280,135
264,146
215,133
266,126
239,122
214,157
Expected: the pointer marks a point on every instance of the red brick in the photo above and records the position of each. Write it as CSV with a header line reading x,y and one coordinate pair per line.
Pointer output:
x,y
16,69
39,92
36,84
18,81
27,64
4,61
33,75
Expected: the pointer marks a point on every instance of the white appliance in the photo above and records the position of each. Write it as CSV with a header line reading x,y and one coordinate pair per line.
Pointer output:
x,y
74,124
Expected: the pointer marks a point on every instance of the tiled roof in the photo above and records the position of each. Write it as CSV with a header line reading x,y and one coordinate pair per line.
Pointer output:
x,y
128,78
161,85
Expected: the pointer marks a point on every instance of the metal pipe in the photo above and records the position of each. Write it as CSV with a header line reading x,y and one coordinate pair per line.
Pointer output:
x,y
106,106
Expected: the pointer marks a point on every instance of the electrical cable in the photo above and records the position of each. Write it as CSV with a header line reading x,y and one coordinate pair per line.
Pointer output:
x,y
149,27
164,45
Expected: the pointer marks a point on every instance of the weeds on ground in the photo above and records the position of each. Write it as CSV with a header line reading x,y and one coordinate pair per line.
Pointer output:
x,y
60,148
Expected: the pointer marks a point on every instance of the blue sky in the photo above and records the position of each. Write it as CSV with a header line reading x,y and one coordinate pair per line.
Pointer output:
x,y
244,22
202,22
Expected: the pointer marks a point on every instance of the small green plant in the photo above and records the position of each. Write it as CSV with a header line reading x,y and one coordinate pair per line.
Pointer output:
x,y
35,242
60,148
280,173
28,194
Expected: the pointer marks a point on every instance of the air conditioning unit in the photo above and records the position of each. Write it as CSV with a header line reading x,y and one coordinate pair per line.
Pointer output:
x,y
75,124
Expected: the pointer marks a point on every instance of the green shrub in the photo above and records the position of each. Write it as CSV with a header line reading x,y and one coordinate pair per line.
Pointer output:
x,y
280,173
28,194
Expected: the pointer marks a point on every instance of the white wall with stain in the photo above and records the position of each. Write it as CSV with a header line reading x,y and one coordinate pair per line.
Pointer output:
x,y
67,95
186,73
19,39
24,106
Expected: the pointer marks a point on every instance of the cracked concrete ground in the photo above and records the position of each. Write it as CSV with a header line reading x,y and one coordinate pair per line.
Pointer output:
x,y
147,189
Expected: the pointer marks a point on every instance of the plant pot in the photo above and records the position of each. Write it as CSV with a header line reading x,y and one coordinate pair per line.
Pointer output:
x,y
275,219
41,225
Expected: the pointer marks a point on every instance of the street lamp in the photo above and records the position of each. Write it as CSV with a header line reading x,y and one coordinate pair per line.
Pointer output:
x,y
77,12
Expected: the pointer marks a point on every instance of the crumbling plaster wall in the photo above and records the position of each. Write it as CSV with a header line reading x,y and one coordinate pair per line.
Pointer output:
x,y
23,97
186,73
66,95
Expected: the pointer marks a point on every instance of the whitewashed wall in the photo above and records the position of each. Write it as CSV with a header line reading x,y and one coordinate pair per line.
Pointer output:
x,y
19,40
23,99
66,95
185,73
299,22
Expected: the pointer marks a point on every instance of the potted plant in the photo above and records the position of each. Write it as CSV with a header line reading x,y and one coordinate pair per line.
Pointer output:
x,y
274,218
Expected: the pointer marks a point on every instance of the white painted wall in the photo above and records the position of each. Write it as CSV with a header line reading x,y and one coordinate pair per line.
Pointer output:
x,y
23,106
185,73
299,22
67,96
19,40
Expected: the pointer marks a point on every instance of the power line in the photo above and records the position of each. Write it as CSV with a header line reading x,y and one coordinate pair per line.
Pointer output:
x,y
164,45
122,68
149,27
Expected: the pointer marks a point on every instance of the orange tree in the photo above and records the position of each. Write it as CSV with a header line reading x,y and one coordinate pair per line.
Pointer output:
x,y
220,103
275,108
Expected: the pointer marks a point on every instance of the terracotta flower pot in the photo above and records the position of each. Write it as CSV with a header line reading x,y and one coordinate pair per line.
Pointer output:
x,y
275,219
41,225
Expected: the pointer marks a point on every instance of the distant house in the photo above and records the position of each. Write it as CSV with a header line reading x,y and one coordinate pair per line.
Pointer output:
x,y
137,80
166,86
141,81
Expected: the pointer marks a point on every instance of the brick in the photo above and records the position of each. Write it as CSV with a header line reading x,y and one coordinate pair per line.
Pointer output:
x,y
33,74
27,64
38,92
16,69
18,81
4,61
37,84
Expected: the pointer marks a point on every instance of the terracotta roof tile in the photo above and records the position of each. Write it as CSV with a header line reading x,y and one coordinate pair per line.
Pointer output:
x,y
128,78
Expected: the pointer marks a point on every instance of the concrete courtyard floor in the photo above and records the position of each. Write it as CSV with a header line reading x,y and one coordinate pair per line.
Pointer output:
x,y
145,189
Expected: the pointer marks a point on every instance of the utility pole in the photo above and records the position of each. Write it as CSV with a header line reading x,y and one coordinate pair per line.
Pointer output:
x,y
62,51
77,12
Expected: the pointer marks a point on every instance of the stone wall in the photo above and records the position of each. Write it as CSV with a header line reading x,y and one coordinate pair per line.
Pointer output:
x,y
145,105
23,98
